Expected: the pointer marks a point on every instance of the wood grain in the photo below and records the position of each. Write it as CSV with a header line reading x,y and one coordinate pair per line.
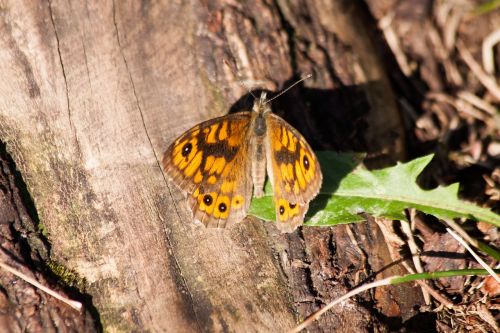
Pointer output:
x,y
95,93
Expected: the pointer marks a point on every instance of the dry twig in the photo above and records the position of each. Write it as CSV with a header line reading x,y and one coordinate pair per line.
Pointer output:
x,y
488,81
74,304
487,50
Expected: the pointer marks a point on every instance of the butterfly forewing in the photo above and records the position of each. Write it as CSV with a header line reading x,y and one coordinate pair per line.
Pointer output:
x,y
210,163
294,172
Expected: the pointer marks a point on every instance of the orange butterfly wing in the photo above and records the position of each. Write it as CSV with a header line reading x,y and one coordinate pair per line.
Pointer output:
x,y
210,163
294,171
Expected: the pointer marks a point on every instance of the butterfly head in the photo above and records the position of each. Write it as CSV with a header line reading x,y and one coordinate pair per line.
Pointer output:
x,y
262,105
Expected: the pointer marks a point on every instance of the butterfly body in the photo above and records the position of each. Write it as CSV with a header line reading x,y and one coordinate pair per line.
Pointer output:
x,y
220,162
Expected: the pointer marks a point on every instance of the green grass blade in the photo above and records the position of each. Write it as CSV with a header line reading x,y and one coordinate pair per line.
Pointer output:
x,y
440,274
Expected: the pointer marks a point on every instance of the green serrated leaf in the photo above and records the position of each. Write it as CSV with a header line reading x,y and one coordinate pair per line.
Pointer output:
x,y
349,189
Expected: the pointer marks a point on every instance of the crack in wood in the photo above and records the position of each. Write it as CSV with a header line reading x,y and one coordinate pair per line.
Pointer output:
x,y
167,238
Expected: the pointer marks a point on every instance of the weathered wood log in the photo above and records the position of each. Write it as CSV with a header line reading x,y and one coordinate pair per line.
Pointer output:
x,y
93,93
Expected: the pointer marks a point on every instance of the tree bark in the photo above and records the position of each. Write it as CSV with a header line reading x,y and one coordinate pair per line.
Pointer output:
x,y
94,92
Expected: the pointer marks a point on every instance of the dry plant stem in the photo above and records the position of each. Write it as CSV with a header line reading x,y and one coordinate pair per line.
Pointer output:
x,y
405,225
478,102
354,241
318,314
450,28
412,245
460,104
487,49
485,314
487,80
393,42
423,284
479,260
458,229
74,304
450,68
392,240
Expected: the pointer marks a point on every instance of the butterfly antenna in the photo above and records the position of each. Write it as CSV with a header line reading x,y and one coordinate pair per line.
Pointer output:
x,y
240,81
308,76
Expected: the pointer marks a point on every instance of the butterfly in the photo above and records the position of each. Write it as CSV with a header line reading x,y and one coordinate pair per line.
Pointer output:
x,y
219,162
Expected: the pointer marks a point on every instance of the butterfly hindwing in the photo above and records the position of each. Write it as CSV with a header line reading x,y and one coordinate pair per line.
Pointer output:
x,y
210,163
289,215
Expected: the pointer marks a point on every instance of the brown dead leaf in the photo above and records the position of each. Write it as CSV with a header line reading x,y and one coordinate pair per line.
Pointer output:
x,y
491,287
